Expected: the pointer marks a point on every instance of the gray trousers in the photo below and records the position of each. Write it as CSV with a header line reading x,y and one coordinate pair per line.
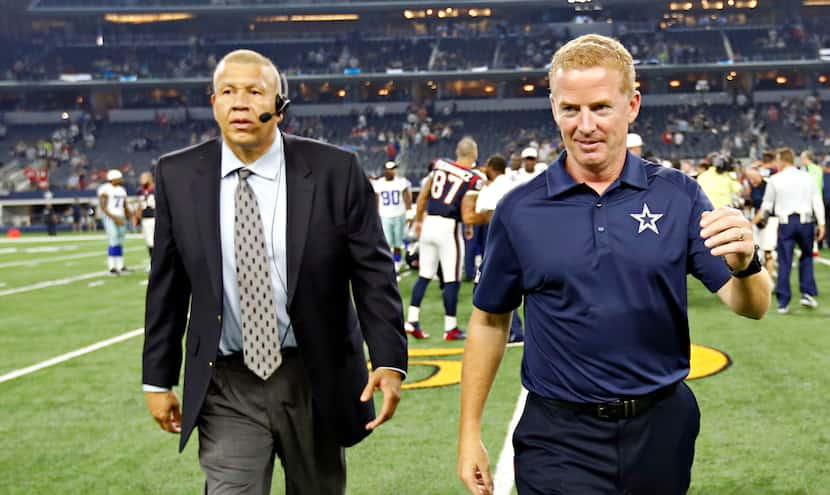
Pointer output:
x,y
245,422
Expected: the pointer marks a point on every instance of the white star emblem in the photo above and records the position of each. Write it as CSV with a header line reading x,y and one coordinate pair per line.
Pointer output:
x,y
647,219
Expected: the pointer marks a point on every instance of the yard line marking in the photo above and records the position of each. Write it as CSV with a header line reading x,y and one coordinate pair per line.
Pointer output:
x,y
70,355
52,283
31,262
95,284
37,240
823,261
504,477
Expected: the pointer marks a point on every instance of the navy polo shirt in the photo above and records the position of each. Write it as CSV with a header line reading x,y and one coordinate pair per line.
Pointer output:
x,y
603,279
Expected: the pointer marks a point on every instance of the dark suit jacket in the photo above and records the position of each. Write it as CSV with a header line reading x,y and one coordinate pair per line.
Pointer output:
x,y
337,261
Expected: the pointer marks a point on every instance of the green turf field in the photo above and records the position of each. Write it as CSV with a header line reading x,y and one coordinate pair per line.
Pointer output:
x,y
80,427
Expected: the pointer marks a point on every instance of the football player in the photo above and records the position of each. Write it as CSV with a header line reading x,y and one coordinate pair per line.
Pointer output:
x,y
112,198
438,226
394,199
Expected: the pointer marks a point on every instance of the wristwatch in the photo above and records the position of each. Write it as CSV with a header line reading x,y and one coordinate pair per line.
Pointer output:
x,y
754,267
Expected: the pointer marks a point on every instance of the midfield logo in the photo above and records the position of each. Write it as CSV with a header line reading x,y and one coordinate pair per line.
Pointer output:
x,y
705,361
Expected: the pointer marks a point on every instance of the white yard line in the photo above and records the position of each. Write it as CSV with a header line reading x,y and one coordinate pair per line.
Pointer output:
x,y
503,478
52,283
36,261
823,261
70,355
68,238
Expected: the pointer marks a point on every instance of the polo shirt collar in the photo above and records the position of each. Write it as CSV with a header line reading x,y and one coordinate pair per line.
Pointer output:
x,y
560,181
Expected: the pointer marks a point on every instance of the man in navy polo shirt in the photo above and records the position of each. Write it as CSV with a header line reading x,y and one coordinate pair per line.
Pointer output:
x,y
599,247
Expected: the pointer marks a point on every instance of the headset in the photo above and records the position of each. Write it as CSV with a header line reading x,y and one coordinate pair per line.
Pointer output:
x,y
282,102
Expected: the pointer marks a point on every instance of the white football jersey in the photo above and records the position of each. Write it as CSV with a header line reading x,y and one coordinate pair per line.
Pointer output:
x,y
390,192
116,198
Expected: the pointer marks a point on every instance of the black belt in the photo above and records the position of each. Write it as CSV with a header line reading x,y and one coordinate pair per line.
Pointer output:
x,y
618,409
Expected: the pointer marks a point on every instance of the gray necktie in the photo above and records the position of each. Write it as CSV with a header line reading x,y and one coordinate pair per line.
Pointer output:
x,y
260,336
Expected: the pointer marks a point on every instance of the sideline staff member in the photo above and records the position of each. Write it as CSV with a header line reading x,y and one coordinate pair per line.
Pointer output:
x,y
607,337
253,233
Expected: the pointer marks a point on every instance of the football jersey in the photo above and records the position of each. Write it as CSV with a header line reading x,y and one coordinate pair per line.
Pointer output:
x,y
147,198
116,198
450,182
390,192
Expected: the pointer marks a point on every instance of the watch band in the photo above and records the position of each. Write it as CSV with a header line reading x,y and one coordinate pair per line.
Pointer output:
x,y
754,266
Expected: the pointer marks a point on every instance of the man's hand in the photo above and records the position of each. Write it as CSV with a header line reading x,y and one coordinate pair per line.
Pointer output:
x,y
119,221
164,406
727,233
820,233
389,382
474,466
416,228
468,232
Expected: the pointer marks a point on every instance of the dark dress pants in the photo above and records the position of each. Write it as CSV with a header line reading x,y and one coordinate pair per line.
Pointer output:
x,y
559,451
791,234
245,422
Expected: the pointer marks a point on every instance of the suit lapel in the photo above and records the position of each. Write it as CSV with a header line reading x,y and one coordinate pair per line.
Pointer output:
x,y
299,197
205,191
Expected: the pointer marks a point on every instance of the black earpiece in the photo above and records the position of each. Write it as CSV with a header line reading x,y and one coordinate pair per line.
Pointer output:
x,y
280,104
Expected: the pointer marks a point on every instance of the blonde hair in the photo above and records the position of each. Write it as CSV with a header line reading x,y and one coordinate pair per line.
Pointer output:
x,y
248,57
786,155
467,148
594,50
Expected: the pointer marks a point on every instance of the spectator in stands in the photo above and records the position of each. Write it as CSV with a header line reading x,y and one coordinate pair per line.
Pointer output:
x,y
792,196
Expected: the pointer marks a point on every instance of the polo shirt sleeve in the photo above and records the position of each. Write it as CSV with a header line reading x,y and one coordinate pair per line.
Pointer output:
x,y
499,288
710,270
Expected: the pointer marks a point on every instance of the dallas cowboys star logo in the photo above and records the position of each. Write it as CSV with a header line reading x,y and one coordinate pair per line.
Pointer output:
x,y
647,219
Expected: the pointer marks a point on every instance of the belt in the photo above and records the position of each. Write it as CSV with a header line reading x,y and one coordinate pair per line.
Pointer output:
x,y
618,409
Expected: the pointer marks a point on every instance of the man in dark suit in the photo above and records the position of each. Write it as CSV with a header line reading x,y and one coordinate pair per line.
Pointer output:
x,y
282,374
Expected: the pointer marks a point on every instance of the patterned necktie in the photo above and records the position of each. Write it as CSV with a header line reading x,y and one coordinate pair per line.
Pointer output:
x,y
260,336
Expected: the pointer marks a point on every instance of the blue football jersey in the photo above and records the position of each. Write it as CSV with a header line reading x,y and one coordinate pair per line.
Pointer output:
x,y
450,182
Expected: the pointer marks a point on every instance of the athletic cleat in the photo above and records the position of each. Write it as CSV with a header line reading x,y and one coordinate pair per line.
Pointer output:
x,y
414,329
455,334
113,271
808,301
783,310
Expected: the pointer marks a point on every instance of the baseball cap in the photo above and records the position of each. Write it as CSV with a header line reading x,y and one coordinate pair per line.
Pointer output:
x,y
529,152
114,174
633,140
390,164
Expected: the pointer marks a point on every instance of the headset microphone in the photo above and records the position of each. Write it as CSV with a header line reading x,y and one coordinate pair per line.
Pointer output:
x,y
280,104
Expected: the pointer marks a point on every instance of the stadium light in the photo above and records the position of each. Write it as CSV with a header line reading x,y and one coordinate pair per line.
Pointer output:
x,y
822,79
674,83
341,93
528,88
781,80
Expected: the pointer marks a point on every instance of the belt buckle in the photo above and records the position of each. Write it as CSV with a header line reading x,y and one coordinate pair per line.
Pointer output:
x,y
604,411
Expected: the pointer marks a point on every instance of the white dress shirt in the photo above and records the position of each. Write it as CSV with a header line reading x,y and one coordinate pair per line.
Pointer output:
x,y
793,192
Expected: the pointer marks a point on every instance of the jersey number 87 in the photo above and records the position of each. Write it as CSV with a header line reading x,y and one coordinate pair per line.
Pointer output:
x,y
446,185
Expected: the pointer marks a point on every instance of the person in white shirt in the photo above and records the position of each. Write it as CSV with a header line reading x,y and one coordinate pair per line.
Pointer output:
x,y
634,143
112,198
478,210
530,165
792,196
394,199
